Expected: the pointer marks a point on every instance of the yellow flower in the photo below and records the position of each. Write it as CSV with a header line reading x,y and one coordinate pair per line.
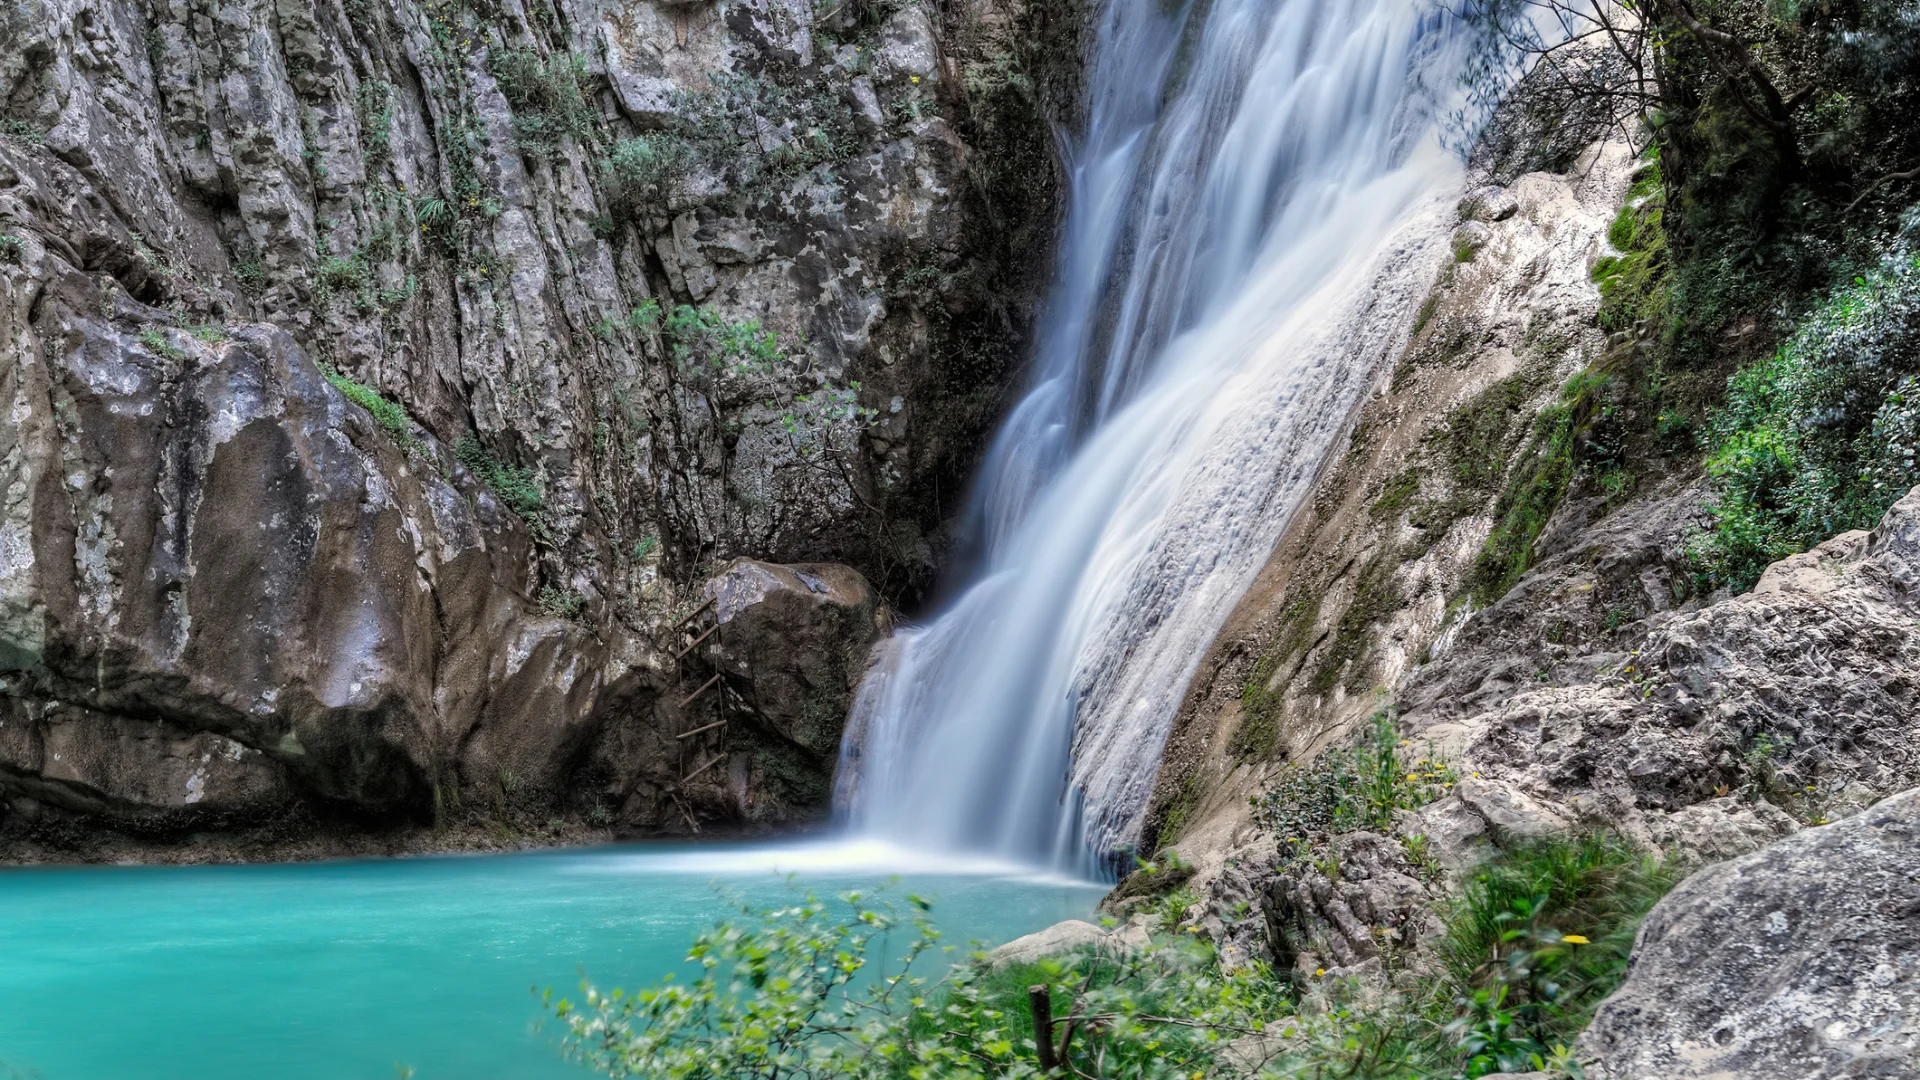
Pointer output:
x,y
1317,972
1476,776
1574,939
1411,777
915,80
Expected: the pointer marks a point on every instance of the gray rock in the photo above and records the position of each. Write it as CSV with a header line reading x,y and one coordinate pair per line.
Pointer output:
x,y
1061,937
1489,203
1798,960
1512,814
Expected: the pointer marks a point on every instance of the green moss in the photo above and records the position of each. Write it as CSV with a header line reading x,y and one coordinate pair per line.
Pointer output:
x,y
1536,486
1634,284
791,777
1397,494
1473,446
1261,704
1376,595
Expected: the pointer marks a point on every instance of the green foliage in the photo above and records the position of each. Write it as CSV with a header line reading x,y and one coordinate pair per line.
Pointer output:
x,y
746,136
514,485
843,990
642,174
1537,938
23,131
1357,787
390,416
548,100
1821,437
852,989
12,249
1634,283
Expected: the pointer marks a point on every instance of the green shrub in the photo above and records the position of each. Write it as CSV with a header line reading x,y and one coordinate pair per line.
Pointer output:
x,y
838,991
12,249
641,175
1820,437
851,989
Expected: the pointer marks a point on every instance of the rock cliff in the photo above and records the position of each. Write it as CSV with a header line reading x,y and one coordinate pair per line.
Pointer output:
x,y
386,378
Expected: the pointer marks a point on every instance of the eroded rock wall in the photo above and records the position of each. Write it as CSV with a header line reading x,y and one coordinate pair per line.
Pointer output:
x,y
366,443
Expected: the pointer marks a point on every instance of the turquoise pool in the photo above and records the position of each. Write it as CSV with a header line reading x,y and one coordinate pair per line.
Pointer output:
x,y
349,970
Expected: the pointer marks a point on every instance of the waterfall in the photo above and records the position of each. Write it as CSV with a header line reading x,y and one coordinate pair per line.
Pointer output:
x,y
1257,203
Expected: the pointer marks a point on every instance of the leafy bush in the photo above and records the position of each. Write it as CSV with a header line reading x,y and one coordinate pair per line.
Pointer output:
x,y
854,990
641,175
815,989
1820,437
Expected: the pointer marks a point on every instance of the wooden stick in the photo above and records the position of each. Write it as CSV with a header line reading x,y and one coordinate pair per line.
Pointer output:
x,y
703,689
1040,1000
697,641
711,762
698,730
694,614
688,814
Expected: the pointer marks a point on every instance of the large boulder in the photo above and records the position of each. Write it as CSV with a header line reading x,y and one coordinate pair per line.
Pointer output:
x,y
790,643
1801,960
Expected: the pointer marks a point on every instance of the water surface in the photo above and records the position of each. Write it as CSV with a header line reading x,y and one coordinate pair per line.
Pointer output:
x,y
345,970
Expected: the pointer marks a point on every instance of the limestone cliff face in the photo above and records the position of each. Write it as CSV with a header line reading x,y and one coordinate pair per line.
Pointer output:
x,y
383,379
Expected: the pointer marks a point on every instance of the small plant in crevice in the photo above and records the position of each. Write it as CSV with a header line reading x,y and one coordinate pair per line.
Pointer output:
x,y
157,343
12,249
550,104
515,486
1359,786
562,603
389,415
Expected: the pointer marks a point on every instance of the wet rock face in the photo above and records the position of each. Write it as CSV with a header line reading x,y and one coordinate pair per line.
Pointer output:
x,y
1796,960
355,462
794,641
227,591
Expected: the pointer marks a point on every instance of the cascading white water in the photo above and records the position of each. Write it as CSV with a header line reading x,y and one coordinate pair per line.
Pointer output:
x,y
1255,207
